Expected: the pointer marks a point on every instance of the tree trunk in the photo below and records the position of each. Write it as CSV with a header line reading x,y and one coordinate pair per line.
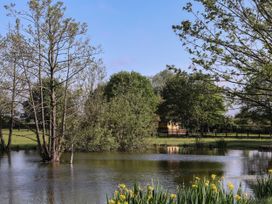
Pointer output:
x,y
41,92
2,145
55,156
270,130
64,111
12,108
72,154
33,105
53,123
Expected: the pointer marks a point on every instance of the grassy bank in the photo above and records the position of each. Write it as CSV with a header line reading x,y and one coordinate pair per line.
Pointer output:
x,y
21,139
212,142
25,139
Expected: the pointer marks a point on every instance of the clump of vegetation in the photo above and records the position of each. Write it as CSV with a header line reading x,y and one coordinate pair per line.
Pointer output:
x,y
208,191
120,115
263,187
199,143
150,194
222,144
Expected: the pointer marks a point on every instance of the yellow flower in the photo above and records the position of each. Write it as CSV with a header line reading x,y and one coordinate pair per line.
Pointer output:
x,y
213,187
116,193
237,197
173,196
230,186
122,186
131,193
213,176
270,171
150,188
111,201
206,183
126,202
122,197
194,186
197,178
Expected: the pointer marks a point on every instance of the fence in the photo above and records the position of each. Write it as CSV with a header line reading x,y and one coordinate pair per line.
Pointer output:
x,y
241,133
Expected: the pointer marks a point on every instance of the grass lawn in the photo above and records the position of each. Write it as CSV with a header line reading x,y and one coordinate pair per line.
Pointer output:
x,y
26,139
233,134
230,142
21,139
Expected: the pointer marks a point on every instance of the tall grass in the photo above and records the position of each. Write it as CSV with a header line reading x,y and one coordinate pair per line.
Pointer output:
x,y
263,187
202,191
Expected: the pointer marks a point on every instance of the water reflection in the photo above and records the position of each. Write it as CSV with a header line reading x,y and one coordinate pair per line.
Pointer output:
x,y
24,179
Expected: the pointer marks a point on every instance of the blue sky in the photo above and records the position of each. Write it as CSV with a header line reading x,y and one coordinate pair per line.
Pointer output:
x,y
134,34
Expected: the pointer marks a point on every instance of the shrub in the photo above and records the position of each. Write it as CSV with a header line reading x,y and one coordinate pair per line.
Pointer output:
x,y
263,187
202,191
221,144
199,142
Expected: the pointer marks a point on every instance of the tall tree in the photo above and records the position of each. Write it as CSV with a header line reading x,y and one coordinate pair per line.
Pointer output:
x,y
258,112
231,40
95,132
193,101
4,111
11,73
132,106
159,80
54,47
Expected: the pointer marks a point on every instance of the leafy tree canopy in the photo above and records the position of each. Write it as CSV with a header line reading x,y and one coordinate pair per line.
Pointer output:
x,y
231,40
193,100
123,116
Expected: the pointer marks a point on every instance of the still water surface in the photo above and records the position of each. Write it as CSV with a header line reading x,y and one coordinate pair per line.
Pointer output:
x,y
24,179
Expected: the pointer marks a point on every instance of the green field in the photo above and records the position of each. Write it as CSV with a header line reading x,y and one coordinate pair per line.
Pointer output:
x,y
233,134
25,139
230,142
21,139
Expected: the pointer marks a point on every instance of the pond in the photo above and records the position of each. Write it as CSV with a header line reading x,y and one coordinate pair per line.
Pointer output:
x,y
24,179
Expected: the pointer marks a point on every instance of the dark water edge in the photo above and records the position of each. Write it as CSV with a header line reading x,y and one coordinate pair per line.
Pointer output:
x,y
24,179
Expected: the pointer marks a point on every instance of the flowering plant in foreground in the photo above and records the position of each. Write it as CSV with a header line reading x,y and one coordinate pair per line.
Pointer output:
x,y
202,191
263,187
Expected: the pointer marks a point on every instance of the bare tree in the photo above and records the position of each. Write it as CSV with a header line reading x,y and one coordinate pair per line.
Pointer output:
x,y
54,48
10,78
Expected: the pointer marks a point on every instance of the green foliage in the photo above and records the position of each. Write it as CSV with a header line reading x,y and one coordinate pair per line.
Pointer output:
x,y
159,80
132,105
221,144
121,114
193,100
199,142
59,88
231,40
263,187
95,134
133,83
202,191
257,111
131,119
